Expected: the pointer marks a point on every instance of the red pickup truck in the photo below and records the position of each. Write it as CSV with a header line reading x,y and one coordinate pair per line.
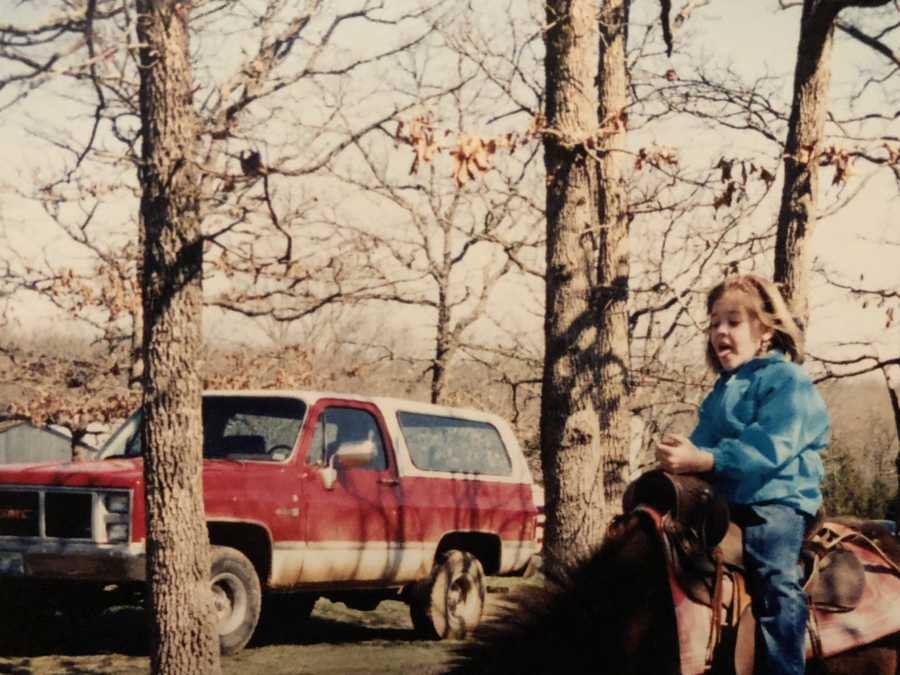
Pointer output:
x,y
307,494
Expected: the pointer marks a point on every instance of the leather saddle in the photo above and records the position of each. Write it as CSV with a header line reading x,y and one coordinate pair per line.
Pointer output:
x,y
699,535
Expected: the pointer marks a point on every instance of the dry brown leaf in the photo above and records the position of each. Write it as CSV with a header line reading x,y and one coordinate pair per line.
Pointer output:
x,y
726,198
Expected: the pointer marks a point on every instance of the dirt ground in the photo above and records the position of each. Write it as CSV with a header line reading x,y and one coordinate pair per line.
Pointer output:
x,y
334,641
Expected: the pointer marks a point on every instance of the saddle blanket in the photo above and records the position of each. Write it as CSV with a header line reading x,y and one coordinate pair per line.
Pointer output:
x,y
877,615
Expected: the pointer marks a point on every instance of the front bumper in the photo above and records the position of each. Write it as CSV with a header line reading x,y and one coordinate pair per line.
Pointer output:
x,y
74,562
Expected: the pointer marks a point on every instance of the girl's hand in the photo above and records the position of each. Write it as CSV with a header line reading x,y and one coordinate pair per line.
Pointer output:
x,y
676,454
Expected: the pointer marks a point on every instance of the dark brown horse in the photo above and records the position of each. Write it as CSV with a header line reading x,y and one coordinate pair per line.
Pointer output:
x,y
614,615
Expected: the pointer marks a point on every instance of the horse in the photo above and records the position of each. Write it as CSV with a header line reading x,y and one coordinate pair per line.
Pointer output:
x,y
614,614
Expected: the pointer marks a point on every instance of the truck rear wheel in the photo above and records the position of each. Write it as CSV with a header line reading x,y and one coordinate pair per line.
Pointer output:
x,y
449,604
237,595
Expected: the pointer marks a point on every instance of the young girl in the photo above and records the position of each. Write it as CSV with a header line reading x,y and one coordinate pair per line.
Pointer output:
x,y
759,432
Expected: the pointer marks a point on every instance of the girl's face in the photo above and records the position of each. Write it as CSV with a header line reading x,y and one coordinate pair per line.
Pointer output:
x,y
736,336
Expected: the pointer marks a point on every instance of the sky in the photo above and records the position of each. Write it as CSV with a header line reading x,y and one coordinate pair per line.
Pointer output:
x,y
722,33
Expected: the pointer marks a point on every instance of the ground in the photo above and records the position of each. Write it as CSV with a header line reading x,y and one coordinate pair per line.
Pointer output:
x,y
335,641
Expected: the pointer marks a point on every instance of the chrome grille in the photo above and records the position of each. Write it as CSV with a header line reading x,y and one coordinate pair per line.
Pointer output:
x,y
57,513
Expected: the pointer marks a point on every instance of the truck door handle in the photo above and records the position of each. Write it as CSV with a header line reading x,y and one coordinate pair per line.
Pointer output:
x,y
388,481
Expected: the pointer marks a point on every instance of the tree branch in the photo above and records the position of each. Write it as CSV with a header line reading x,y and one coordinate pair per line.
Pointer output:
x,y
869,41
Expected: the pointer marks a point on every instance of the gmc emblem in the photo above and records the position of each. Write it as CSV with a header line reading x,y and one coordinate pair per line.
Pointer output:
x,y
16,514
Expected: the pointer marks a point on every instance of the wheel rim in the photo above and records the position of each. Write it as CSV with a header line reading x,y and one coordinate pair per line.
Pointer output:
x,y
231,602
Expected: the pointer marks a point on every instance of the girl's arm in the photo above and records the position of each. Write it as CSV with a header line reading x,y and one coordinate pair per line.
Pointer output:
x,y
790,418
702,435
676,454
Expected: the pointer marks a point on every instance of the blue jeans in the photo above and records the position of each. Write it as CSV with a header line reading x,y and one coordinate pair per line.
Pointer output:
x,y
773,535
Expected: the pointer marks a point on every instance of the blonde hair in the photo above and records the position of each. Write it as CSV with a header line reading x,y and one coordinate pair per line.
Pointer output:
x,y
764,303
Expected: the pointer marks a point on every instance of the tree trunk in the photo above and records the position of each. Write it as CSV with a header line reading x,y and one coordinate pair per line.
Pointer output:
x,y
183,635
797,217
136,351
613,264
441,344
894,398
570,430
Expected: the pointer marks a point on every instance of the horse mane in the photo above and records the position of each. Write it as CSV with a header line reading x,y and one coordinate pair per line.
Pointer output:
x,y
608,614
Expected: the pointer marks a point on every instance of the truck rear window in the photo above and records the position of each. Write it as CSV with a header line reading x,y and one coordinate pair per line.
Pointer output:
x,y
452,444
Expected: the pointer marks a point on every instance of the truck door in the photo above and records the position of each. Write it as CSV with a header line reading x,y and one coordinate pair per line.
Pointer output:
x,y
353,526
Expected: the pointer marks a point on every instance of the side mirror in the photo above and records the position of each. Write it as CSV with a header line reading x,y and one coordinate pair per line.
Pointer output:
x,y
356,453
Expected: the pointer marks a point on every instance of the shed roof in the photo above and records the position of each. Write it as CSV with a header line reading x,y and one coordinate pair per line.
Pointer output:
x,y
6,425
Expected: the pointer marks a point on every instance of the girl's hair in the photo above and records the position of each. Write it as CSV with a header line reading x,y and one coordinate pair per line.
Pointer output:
x,y
765,303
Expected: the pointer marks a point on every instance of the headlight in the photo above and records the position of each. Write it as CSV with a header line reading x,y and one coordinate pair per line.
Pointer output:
x,y
117,503
117,506
117,533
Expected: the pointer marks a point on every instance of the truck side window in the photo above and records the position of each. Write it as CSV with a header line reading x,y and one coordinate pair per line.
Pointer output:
x,y
453,444
345,425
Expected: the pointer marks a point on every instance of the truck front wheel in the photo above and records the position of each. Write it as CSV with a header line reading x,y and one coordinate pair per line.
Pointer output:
x,y
237,596
449,604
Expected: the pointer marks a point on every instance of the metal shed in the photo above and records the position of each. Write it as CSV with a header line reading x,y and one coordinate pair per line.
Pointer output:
x,y
21,441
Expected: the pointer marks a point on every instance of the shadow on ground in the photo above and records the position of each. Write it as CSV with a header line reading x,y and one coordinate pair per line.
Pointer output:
x,y
123,630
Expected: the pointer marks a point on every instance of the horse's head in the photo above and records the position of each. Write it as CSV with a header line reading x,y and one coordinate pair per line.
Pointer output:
x,y
638,619
610,614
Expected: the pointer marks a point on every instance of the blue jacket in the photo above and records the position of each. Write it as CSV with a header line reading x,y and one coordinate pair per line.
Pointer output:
x,y
765,423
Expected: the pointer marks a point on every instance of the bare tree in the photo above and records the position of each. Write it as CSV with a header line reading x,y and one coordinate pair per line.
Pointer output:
x,y
441,247
570,429
183,635
684,256
803,147
804,152
248,127
613,265
188,173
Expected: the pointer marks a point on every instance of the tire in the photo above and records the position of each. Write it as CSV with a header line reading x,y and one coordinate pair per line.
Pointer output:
x,y
450,603
237,595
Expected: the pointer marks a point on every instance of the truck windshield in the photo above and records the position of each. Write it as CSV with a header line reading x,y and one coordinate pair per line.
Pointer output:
x,y
263,428
126,441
